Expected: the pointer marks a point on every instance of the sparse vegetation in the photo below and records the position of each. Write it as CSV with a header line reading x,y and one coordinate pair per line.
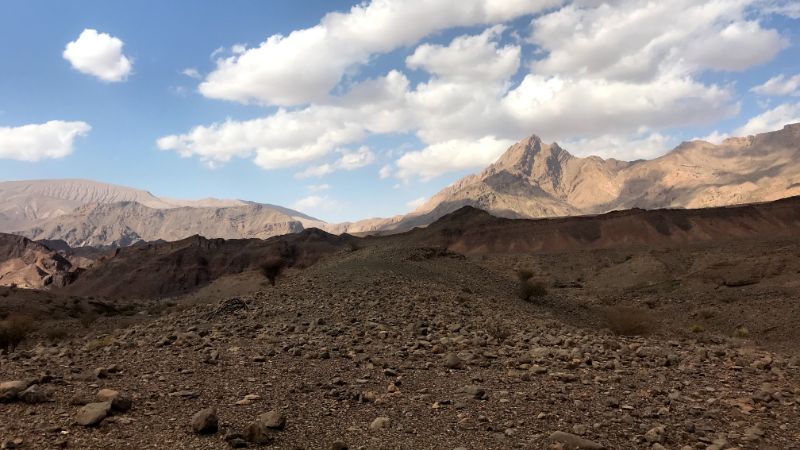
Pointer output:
x,y
527,288
624,321
88,319
498,330
56,333
100,343
697,329
271,268
14,330
742,333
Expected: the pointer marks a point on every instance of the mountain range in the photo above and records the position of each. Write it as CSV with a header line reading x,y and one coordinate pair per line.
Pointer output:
x,y
532,179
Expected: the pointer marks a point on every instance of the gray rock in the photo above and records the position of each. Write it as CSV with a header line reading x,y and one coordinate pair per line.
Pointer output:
x,y
273,419
92,414
258,432
34,394
10,389
205,421
475,392
119,401
452,361
380,423
573,442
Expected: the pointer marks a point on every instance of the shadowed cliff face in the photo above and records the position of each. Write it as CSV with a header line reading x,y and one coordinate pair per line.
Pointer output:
x,y
28,264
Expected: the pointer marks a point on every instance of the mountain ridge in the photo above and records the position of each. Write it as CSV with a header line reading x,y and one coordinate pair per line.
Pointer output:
x,y
532,179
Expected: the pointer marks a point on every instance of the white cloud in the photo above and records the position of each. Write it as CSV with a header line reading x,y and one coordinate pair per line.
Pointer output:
x,y
601,72
416,203
99,55
625,147
715,137
779,85
468,58
307,64
642,40
789,8
771,120
451,155
53,139
315,204
318,187
348,161
191,72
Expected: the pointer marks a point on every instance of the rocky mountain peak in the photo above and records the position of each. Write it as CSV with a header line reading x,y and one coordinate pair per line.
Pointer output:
x,y
531,157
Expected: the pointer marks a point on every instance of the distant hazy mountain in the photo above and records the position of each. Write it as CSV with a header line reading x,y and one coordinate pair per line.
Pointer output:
x,y
534,179
83,212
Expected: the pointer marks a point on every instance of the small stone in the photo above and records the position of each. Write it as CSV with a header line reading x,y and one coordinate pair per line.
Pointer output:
x,y
273,419
655,434
12,443
205,421
119,402
475,392
339,445
92,414
579,429
258,431
380,423
572,441
34,394
10,389
452,361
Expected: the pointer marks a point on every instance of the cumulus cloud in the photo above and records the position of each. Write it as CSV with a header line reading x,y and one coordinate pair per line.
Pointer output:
x,y
315,204
348,161
599,74
771,120
788,8
642,40
779,85
53,139
307,64
448,156
642,145
99,55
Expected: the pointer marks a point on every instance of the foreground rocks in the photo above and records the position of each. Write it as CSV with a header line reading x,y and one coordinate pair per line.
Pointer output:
x,y
419,354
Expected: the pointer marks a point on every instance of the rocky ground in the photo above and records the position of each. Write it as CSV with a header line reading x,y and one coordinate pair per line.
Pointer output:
x,y
398,348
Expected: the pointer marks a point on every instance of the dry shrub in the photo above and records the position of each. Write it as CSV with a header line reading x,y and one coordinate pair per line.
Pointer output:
x,y
88,319
14,330
498,331
56,333
625,321
95,344
528,289
271,268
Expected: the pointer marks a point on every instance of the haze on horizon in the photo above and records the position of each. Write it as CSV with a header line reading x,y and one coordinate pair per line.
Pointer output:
x,y
347,110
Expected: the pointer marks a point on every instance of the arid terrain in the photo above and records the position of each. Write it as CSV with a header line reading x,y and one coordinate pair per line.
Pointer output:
x,y
662,329
532,179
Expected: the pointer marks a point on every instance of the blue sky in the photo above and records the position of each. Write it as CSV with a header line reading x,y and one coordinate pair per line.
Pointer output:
x,y
349,110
